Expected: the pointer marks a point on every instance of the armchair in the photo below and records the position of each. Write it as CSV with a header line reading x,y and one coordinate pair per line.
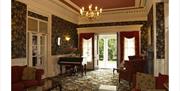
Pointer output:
x,y
147,82
131,67
19,83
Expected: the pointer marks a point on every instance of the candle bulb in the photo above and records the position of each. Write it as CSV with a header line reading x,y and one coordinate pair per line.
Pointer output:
x,y
87,13
90,7
82,8
101,10
96,8
97,13
81,11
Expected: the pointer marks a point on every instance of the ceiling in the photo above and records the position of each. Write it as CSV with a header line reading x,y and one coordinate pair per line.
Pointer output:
x,y
107,5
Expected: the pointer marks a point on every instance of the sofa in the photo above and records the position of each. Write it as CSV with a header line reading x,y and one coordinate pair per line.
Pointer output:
x,y
20,82
147,82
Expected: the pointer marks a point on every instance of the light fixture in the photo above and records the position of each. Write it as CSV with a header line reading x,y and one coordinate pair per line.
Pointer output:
x,y
67,38
59,41
90,13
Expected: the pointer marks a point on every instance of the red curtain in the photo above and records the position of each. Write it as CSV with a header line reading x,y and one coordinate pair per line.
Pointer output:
x,y
128,35
85,36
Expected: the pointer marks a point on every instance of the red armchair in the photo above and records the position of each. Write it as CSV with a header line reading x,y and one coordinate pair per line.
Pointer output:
x,y
20,85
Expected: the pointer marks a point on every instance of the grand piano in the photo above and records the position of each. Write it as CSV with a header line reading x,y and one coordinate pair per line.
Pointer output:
x,y
73,61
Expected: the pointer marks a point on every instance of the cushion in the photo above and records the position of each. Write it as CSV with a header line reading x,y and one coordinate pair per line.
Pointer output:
x,y
29,73
160,80
145,81
39,73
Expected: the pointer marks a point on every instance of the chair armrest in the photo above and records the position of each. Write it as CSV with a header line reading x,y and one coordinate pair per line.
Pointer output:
x,y
39,73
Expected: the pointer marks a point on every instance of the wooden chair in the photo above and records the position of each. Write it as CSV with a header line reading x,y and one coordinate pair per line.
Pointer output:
x,y
131,67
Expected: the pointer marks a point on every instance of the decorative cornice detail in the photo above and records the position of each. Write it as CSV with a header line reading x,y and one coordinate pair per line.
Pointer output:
x,y
127,11
109,29
112,24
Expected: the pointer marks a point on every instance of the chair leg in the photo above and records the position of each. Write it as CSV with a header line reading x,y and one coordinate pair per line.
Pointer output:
x,y
113,70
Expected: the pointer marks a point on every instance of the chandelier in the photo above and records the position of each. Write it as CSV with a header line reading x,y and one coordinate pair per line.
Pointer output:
x,y
90,13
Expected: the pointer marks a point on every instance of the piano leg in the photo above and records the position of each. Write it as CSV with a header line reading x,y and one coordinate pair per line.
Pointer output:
x,y
85,68
81,69
60,69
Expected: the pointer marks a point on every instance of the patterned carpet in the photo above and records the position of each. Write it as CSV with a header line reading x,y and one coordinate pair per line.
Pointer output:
x,y
92,81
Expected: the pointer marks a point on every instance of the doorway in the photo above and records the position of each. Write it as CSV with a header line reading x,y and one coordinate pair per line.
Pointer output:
x,y
107,50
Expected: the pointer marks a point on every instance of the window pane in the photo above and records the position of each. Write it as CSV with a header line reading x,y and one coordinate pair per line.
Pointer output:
x,y
43,27
129,47
87,50
32,25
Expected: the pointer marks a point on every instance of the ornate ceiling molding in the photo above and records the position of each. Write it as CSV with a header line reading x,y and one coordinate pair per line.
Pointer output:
x,y
138,4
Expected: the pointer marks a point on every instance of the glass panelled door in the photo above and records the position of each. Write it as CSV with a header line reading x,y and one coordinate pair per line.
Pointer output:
x,y
38,50
37,43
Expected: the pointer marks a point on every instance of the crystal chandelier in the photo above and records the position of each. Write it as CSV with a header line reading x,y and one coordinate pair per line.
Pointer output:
x,y
90,13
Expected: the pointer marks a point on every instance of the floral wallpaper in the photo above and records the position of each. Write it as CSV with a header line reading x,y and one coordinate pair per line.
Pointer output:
x,y
18,31
144,38
160,31
62,28
147,27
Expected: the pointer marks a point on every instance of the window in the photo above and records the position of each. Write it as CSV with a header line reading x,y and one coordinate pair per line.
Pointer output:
x,y
87,49
129,45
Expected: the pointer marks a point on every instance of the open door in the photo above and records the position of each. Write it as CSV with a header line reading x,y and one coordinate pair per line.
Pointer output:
x,y
96,53
86,45
107,48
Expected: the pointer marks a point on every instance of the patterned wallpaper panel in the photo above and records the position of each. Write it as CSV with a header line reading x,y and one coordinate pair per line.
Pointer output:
x,y
148,27
144,38
18,31
151,25
160,31
62,28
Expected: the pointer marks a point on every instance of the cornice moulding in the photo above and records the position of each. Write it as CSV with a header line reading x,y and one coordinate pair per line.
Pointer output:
x,y
53,9
109,29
